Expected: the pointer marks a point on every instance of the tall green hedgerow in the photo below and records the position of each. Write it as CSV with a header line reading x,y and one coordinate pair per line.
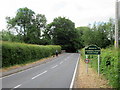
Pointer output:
x,y
109,65
20,53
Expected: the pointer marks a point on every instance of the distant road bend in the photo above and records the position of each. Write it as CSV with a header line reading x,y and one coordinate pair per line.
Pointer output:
x,y
57,73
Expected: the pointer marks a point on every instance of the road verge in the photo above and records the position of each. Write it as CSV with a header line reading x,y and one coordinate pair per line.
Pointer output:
x,y
90,80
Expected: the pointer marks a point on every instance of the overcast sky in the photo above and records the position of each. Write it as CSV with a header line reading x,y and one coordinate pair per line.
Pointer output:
x,y
81,12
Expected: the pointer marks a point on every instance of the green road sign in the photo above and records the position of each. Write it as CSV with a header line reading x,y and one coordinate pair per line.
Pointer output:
x,y
92,50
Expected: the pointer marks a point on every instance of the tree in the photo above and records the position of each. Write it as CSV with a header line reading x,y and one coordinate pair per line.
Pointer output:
x,y
102,35
88,37
36,29
63,33
9,36
83,33
47,35
27,25
110,29
21,22
6,36
97,35
40,23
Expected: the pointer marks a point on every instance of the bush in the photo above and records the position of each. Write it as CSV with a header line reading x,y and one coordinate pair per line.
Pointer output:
x,y
109,66
20,53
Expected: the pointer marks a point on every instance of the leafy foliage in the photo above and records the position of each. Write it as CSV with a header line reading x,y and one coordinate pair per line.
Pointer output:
x,y
20,53
62,32
33,29
101,34
27,25
109,65
9,36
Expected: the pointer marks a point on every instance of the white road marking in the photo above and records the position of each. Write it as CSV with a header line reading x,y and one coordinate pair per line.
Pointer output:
x,y
23,70
19,72
61,62
67,58
17,86
39,74
72,82
54,66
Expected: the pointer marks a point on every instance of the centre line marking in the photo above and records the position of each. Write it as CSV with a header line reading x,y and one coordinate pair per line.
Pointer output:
x,y
61,62
39,74
65,59
17,86
68,57
54,66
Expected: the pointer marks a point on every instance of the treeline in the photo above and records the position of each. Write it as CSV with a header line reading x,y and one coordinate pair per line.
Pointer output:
x,y
100,34
32,28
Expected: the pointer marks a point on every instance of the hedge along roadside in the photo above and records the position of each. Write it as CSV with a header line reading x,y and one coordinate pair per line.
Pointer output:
x,y
109,66
20,53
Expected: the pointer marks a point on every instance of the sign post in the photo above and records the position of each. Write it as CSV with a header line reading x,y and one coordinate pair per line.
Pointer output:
x,y
93,50
98,64
86,61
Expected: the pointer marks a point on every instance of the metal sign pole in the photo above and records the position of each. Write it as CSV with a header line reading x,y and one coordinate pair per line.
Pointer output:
x,y
98,64
92,50
87,64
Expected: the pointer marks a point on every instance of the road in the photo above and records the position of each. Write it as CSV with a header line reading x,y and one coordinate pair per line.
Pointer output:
x,y
57,73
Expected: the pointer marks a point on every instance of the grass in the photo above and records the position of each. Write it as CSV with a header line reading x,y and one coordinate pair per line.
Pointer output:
x,y
111,70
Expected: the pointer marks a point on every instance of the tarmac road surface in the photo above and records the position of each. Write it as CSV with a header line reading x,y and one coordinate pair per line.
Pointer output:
x,y
57,73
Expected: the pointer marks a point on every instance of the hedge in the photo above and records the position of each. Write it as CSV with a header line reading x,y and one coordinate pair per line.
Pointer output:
x,y
20,53
109,65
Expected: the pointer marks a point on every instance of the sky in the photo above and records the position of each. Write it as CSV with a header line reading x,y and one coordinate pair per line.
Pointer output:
x,y
81,12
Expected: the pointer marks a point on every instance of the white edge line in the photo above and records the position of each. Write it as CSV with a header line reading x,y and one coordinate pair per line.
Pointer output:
x,y
21,71
17,86
54,66
72,82
39,74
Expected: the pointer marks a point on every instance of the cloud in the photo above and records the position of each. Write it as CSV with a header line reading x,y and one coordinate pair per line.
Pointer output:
x,y
82,12
59,5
